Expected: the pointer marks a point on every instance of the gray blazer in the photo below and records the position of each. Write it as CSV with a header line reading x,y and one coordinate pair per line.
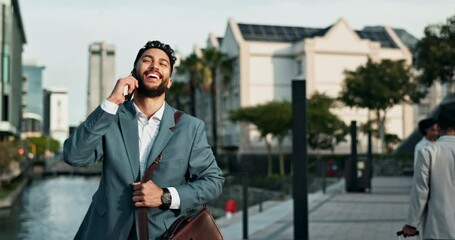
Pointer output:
x,y
114,140
432,203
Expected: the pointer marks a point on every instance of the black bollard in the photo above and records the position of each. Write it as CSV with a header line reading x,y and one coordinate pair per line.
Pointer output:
x,y
245,204
299,160
370,158
351,171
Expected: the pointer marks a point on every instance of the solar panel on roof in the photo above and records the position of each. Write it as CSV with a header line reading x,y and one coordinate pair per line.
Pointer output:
x,y
277,33
378,35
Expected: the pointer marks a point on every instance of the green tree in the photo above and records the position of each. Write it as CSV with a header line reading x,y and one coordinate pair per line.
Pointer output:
x,y
436,54
325,129
272,119
177,95
42,143
391,140
9,153
278,115
378,87
214,62
192,67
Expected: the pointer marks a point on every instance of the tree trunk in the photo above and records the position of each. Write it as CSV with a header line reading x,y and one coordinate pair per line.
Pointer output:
x,y
281,157
192,97
381,130
269,157
451,85
214,114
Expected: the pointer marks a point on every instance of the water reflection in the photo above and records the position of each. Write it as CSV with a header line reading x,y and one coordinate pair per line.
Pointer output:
x,y
53,208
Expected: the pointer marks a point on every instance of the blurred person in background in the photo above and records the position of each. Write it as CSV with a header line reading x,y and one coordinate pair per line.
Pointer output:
x,y
430,131
432,204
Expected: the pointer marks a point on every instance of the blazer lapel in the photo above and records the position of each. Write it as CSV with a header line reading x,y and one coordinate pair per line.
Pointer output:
x,y
128,128
164,134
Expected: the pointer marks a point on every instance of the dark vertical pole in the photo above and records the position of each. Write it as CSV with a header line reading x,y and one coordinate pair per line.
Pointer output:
x,y
324,175
213,97
370,158
353,165
299,159
245,205
4,98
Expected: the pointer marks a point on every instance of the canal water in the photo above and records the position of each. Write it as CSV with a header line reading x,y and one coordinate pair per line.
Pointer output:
x,y
49,208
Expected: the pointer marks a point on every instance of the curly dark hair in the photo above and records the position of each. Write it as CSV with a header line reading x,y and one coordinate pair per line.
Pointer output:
x,y
157,44
425,124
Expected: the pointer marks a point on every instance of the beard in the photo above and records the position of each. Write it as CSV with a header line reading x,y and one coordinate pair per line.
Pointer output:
x,y
151,91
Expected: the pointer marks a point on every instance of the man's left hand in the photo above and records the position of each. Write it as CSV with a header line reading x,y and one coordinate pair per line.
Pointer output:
x,y
147,194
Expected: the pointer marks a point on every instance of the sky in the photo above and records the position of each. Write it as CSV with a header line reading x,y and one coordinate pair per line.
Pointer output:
x,y
59,32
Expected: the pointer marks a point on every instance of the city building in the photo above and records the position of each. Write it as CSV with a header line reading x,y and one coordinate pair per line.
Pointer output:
x,y
267,58
12,41
101,74
55,114
33,99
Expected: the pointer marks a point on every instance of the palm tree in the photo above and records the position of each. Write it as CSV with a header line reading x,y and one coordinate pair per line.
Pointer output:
x,y
177,95
214,62
192,66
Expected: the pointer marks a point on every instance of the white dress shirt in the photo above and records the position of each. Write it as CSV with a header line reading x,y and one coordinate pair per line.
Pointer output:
x,y
147,132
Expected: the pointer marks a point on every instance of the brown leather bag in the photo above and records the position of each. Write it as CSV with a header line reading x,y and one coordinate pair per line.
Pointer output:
x,y
198,227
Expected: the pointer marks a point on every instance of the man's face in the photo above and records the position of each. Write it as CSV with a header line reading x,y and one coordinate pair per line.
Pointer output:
x,y
432,132
153,72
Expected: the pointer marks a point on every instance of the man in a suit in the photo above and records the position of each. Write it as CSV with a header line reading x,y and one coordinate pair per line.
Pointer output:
x,y
432,204
131,135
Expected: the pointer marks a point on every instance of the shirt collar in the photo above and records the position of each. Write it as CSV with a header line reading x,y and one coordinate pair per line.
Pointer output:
x,y
448,137
157,116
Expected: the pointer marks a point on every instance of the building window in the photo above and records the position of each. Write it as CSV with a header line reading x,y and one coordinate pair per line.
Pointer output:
x,y
299,67
6,69
424,108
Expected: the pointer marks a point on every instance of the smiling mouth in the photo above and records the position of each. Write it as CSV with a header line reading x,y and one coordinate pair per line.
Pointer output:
x,y
153,76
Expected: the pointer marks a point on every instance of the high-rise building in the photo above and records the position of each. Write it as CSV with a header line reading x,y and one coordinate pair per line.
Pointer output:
x,y
55,114
33,85
101,74
12,38
33,99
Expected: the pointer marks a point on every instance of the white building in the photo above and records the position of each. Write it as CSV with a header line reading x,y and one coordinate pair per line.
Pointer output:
x,y
56,122
267,58
101,74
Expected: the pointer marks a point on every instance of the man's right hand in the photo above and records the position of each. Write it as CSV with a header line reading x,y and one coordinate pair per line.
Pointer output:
x,y
117,95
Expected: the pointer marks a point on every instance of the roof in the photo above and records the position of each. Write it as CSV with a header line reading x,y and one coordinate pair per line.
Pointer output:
x,y
220,40
408,39
15,4
380,36
270,33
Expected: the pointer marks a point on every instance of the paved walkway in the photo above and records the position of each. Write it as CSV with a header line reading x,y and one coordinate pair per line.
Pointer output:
x,y
335,215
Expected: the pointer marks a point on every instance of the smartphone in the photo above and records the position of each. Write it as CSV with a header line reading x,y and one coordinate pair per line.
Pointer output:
x,y
126,87
125,90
